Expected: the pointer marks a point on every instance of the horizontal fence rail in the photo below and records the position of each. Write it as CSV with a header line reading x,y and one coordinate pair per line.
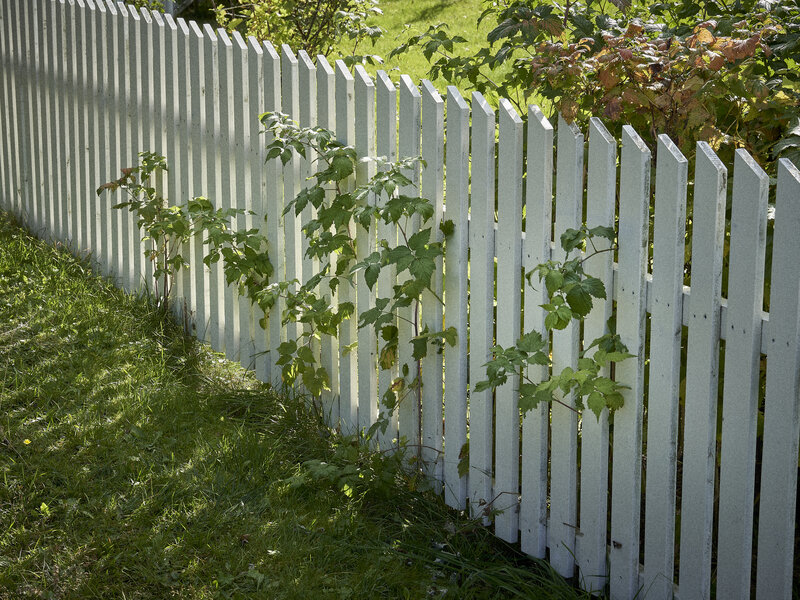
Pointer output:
x,y
654,501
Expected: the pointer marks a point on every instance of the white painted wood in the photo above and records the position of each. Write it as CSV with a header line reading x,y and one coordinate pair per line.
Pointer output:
x,y
702,375
228,196
274,208
665,368
601,193
776,522
72,123
536,249
257,190
137,90
630,294
348,377
564,420
98,139
10,104
307,80
365,246
192,126
36,118
104,137
432,374
124,221
144,79
386,146
456,290
291,178
214,334
116,139
741,379
244,118
409,146
481,321
509,304
329,345
19,116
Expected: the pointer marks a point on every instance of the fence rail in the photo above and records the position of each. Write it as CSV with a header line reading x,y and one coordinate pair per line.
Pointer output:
x,y
657,500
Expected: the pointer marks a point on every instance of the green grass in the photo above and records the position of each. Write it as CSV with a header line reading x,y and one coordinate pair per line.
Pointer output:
x,y
136,463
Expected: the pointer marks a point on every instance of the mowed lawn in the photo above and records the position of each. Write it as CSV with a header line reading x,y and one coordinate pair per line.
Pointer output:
x,y
135,463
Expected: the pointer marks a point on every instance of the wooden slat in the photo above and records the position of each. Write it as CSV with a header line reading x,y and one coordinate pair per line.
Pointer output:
x,y
244,118
36,119
116,137
509,304
630,294
456,290
274,208
741,379
291,178
144,79
432,365
125,221
104,137
192,132
665,368
365,245
702,375
256,154
564,422
409,146
329,346
601,193
536,250
348,377
136,139
386,146
11,104
776,522
5,119
227,193
481,321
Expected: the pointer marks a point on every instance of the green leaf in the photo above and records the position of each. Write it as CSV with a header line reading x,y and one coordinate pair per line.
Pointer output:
x,y
596,403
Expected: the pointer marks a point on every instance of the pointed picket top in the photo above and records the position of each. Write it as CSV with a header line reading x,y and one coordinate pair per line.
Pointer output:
x,y
170,22
362,77
431,92
342,71
407,86
480,103
305,61
288,55
210,33
255,45
193,27
269,49
145,12
383,79
239,41
323,64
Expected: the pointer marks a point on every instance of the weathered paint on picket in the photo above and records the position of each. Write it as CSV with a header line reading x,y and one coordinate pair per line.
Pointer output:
x,y
481,314
536,250
432,313
702,375
665,368
87,84
386,146
630,293
601,194
509,304
455,297
564,419
740,386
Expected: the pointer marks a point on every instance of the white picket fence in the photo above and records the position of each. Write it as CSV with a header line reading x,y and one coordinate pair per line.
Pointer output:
x,y
86,84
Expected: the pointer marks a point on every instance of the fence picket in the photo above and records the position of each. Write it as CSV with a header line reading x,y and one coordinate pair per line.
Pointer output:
x,y
536,250
386,145
665,368
601,194
364,106
481,314
193,128
226,188
5,120
630,294
432,188
741,378
274,204
103,137
257,191
409,146
36,119
564,421
702,375
776,516
290,103
348,376
509,304
329,348
125,220
144,80
456,284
